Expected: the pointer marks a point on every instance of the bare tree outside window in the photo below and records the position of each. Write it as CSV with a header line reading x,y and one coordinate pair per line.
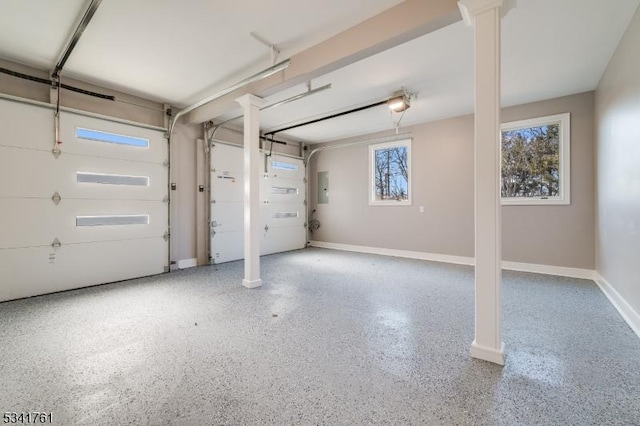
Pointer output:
x,y
391,174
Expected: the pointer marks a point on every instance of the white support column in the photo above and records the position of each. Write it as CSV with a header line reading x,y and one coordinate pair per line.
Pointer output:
x,y
485,16
251,105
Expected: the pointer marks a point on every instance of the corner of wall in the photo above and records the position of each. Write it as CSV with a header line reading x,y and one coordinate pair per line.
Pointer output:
x,y
617,179
630,315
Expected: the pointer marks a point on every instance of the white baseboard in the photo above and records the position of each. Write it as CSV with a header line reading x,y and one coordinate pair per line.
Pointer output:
x,y
626,311
561,271
187,263
459,260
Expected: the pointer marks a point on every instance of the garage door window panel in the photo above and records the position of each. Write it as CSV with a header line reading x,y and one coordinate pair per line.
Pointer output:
x,y
281,165
113,138
112,179
112,220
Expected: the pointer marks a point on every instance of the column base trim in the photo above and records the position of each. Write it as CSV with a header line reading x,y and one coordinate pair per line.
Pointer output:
x,y
488,354
252,283
187,263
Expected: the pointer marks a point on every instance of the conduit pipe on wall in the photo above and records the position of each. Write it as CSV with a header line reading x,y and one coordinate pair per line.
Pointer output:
x,y
397,137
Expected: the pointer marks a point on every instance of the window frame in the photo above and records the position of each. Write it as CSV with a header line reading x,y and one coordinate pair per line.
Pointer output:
x,y
372,187
564,160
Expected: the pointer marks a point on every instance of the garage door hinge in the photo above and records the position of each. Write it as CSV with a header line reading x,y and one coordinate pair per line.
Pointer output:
x,y
167,136
305,202
166,236
56,243
56,198
165,199
56,153
165,163
304,180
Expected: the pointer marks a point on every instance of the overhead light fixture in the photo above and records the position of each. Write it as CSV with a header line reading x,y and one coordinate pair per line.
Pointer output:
x,y
399,103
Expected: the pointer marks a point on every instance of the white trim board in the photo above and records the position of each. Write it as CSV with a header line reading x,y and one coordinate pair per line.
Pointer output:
x,y
624,309
561,271
459,260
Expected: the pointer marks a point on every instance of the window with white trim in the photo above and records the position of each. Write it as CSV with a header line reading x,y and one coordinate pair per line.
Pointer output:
x,y
535,161
390,173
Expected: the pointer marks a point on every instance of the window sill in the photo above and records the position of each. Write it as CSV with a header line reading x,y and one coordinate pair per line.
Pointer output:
x,y
390,203
535,202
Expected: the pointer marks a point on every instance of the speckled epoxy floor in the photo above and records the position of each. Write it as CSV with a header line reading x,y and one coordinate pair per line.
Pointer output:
x,y
331,338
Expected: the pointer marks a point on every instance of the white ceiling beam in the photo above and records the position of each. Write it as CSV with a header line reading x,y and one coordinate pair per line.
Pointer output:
x,y
395,26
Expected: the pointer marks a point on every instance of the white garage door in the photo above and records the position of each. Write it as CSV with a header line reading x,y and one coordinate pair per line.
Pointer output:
x,y
282,196
96,214
227,203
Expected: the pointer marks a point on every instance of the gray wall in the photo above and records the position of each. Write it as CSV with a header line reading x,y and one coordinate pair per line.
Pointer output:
x,y
151,113
183,199
618,172
442,160
557,235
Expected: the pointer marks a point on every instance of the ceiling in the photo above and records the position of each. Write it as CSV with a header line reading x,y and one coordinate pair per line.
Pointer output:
x,y
550,48
179,52
170,50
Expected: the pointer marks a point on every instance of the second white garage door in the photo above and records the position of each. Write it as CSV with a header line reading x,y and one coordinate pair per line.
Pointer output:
x,y
282,197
